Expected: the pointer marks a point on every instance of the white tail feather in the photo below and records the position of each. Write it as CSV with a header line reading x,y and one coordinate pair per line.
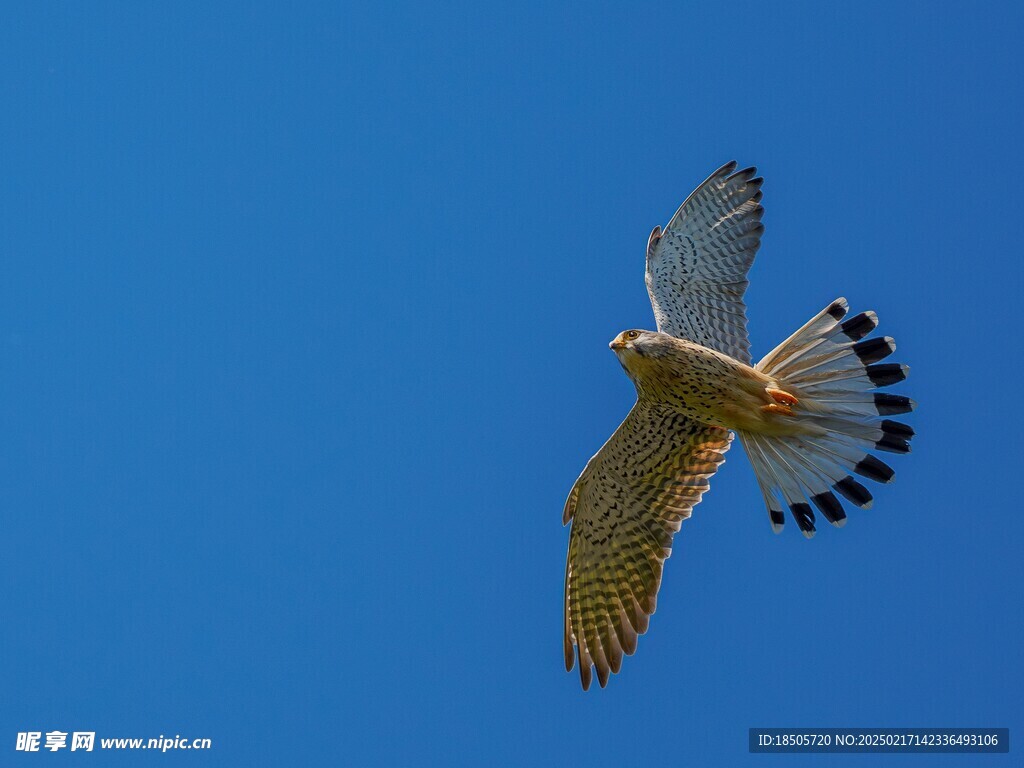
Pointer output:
x,y
833,371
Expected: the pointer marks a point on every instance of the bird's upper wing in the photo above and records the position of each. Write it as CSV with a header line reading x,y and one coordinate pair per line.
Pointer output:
x,y
697,268
625,507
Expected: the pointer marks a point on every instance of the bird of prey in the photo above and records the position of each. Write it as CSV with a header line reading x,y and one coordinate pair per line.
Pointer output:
x,y
808,415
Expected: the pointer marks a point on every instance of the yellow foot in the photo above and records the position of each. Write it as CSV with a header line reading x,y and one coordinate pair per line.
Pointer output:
x,y
781,397
784,410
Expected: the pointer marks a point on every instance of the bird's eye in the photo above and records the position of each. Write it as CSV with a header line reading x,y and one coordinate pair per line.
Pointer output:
x,y
632,335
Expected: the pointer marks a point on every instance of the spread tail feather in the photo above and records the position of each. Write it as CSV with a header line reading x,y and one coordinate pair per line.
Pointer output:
x,y
833,371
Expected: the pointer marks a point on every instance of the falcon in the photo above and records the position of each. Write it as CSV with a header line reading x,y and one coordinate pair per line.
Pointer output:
x,y
808,415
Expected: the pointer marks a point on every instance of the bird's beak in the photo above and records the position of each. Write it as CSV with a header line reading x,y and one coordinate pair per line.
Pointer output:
x,y
617,343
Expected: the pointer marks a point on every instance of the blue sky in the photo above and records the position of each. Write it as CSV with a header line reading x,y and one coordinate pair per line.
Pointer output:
x,y
303,326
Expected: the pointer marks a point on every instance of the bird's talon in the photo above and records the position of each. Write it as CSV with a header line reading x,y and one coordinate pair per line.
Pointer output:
x,y
780,396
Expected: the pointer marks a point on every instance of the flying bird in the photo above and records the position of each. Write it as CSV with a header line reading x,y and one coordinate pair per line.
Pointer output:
x,y
808,416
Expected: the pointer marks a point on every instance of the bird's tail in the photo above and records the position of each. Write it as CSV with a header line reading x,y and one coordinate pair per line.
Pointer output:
x,y
832,370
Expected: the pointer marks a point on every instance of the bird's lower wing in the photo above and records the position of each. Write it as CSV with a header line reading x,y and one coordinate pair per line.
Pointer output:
x,y
625,508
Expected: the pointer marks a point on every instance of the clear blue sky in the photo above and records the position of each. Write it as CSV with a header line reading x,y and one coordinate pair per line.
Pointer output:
x,y
303,325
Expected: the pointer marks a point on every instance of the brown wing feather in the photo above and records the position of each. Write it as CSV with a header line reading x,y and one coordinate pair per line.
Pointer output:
x,y
625,507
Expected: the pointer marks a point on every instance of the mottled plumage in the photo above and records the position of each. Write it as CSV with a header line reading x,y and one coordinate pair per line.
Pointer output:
x,y
806,414
697,268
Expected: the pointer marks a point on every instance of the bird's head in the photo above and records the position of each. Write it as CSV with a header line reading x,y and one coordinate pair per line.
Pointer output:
x,y
627,342
641,352
631,346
